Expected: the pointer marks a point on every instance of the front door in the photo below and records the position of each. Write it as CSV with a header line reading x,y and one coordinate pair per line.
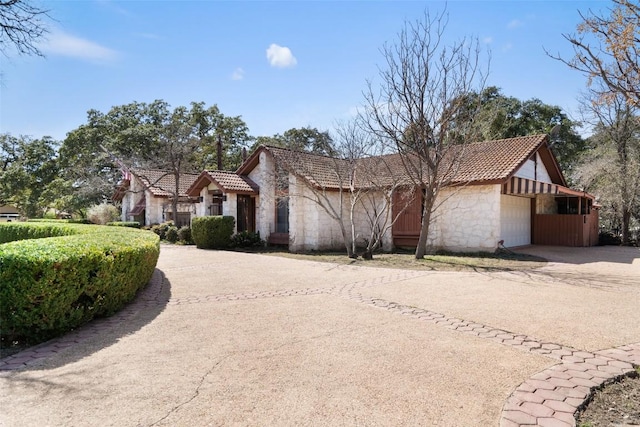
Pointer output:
x,y
246,219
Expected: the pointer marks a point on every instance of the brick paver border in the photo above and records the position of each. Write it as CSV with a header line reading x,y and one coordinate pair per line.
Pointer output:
x,y
549,398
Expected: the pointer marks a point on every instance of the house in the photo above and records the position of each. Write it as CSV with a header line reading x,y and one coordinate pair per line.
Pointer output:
x,y
9,213
507,192
146,196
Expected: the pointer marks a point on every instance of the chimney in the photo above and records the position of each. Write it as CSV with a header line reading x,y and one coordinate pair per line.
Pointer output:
x,y
219,153
244,154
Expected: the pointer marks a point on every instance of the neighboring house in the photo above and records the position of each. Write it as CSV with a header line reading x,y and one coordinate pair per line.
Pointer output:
x,y
146,196
507,192
9,213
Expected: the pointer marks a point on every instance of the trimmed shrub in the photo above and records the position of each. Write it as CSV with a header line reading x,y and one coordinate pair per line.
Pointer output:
x,y
212,232
103,213
12,231
247,239
161,229
172,234
184,235
132,224
51,285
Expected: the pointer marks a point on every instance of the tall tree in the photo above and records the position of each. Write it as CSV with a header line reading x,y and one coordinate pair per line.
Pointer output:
x,y
502,116
27,167
420,102
151,136
611,168
306,139
606,49
21,27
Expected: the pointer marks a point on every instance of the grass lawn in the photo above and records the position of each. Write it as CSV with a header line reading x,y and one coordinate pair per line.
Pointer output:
x,y
479,261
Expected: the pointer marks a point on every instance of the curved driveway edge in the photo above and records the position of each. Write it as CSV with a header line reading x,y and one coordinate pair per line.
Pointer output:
x,y
553,396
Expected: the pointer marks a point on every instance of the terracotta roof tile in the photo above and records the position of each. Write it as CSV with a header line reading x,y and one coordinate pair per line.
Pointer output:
x,y
232,182
479,162
162,183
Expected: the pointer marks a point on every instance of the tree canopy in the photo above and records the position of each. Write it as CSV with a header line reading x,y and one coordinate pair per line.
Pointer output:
x,y
301,139
151,136
28,168
500,116
606,49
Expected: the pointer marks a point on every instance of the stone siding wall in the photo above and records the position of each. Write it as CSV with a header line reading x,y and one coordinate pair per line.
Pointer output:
x,y
310,226
468,219
264,176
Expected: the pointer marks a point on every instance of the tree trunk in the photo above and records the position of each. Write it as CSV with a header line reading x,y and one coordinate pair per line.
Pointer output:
x,y
427,205
626,220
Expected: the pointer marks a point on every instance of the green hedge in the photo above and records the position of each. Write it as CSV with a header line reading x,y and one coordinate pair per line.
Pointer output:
x,y
212,232
132,224
51,285
12,231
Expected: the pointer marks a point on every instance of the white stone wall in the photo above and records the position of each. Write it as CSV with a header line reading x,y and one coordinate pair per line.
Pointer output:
x,y
365,206
202,208
264,176
468,219
154,211
310,226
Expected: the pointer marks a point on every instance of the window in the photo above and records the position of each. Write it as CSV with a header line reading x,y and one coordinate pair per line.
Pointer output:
x,y
215,208
282,215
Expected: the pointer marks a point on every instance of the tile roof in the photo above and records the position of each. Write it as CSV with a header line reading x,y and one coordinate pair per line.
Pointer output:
x,y
481,162
496,160
231,182
162,183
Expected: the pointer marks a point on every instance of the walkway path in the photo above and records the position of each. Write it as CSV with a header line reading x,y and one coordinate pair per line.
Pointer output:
x,y
261,354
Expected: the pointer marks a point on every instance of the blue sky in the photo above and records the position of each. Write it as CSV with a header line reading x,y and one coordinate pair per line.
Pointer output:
x,y
279,65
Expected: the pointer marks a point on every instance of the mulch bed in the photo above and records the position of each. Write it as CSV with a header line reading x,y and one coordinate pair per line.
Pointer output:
x,y
617,404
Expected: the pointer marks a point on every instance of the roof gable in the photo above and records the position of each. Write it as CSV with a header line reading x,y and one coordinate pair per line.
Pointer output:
x,y
229,182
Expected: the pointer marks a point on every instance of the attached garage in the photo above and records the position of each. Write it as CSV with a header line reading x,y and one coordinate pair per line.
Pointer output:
x,y
515,220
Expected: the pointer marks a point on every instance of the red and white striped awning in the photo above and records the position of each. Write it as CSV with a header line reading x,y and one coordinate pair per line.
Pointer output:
x,y
517,185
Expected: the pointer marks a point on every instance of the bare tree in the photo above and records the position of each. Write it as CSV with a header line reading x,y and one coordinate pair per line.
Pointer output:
x,y
606,48
422,107
354,187
612,167
21,27
372,183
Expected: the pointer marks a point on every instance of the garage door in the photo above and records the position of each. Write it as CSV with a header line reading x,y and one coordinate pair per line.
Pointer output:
x,y
515,220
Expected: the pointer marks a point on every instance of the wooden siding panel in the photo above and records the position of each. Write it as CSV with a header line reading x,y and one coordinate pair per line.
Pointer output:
x,y
566,230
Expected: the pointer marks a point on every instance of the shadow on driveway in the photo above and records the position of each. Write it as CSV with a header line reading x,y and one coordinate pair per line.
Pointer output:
x,y
588,255
97,334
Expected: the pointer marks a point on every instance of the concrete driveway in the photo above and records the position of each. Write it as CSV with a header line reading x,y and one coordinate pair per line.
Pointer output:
x,y
224,338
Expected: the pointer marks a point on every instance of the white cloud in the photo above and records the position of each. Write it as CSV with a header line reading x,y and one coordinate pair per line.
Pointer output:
x,y
63,44
507,47
515,23
280,56
487,40
238,74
